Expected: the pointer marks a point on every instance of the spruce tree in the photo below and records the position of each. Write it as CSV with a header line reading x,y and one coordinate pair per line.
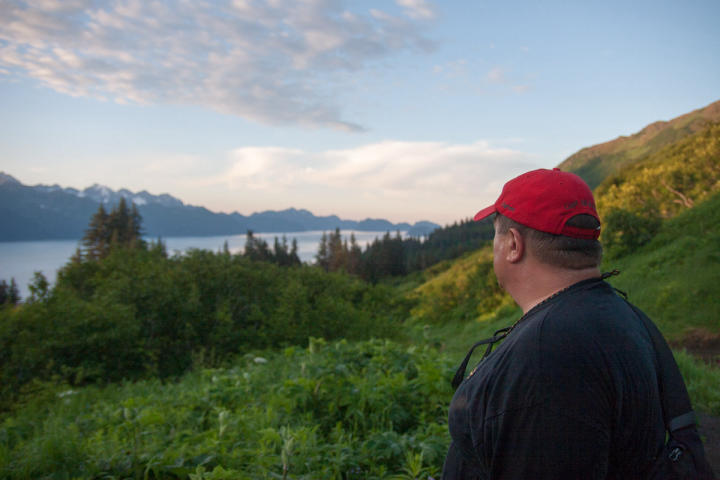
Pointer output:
x,y
13,293
97,237
294,258
119,228
323,257
336,253
354,256
4,292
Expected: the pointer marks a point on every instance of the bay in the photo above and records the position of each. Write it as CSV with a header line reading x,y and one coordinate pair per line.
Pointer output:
x,y
19,260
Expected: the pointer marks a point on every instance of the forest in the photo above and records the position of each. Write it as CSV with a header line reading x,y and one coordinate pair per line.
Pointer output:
x,y
211,365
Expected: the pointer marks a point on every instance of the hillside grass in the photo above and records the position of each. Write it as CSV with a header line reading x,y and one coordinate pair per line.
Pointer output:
x,y
668,181
594,164
676,277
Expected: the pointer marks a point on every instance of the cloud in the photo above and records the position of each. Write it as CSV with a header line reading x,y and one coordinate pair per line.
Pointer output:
x,y
271,61
497,75
261,168
417,8
435,180
453,69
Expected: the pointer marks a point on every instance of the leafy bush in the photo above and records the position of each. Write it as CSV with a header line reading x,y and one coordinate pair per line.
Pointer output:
x,y
624,232
331,410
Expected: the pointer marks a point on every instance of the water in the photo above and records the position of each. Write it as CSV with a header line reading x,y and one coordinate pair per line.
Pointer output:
x,y
19,260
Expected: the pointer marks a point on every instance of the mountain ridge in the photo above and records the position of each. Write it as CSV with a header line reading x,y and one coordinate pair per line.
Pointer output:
x,y
597,162
44,212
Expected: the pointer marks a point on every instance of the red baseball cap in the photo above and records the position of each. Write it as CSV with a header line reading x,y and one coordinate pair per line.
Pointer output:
x,y
545,200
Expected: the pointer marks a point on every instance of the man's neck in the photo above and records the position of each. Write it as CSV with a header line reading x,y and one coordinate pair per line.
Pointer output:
x,y
547,282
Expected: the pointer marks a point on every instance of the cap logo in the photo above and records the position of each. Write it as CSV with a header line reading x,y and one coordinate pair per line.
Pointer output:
x,y
585,203
508,207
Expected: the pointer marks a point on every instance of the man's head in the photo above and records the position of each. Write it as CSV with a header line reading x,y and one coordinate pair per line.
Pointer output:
x,y
554,212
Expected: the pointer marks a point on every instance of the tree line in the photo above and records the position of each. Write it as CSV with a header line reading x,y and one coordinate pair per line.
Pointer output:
x,y
392,255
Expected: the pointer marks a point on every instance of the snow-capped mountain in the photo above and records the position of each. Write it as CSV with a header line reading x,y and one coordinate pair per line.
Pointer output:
x,y
43,212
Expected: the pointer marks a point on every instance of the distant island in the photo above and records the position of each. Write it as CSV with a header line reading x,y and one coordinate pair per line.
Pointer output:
x,y
48,212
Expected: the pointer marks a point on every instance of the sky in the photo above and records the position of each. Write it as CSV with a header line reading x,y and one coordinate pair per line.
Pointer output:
x,y
406,110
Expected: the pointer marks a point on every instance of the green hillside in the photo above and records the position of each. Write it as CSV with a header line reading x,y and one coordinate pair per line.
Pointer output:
x,y
596,163
668,181
675,278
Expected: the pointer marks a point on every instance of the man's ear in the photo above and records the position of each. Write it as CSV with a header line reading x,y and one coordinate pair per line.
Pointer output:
x,y
516,246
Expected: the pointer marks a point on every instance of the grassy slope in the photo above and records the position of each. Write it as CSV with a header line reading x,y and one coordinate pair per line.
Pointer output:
x,y
676,277
596,163
689,168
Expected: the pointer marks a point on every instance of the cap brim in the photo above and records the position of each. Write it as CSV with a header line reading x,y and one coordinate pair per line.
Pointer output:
x,y
484,213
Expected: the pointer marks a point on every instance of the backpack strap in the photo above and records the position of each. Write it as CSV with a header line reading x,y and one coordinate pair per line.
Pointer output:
x,y
460,372
676,406
684,420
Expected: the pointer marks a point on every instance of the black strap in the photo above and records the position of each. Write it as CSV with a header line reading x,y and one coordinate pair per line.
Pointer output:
x,y
683,421
460,372
676,406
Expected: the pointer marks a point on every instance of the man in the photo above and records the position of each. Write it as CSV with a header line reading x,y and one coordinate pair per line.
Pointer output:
x,y
572,391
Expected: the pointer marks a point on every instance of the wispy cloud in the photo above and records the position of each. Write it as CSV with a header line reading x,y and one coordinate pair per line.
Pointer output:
x,y
271,61
454,69
497,75
506,79
417,8
520,88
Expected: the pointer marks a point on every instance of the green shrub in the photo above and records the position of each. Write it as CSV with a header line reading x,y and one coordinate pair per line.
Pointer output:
x,y
331,410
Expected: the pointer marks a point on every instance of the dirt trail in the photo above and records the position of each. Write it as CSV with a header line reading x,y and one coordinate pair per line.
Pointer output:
x,y
706,346
710,432
703,344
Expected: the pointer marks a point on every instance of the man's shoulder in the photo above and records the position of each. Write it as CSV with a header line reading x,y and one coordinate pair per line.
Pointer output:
x,y
595,306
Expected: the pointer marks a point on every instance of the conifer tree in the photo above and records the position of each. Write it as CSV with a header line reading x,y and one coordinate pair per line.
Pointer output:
x,y
4,292
336,254
121,227
13,293
294,252
323,257
9,294
97,237
354,256
256,248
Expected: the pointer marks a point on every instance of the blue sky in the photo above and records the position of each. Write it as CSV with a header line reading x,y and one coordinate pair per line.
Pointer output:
x,y
407,110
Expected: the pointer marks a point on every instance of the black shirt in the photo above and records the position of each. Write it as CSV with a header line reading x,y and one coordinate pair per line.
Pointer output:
x,y
571,393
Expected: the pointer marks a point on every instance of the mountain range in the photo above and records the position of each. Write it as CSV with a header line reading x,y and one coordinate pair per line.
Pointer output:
x,y
44,212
